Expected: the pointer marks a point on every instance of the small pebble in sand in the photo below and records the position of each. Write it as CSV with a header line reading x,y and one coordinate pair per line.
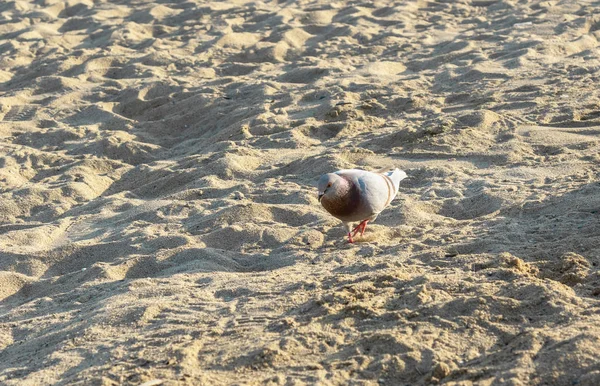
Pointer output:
x,y
441,370
238,196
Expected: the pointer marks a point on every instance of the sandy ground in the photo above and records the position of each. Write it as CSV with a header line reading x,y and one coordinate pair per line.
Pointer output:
x,y
158,212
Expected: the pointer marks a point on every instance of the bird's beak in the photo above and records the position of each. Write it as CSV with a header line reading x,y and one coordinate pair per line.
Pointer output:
x,y
321,195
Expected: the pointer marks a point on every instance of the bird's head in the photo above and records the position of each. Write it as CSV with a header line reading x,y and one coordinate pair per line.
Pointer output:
x,y
329,184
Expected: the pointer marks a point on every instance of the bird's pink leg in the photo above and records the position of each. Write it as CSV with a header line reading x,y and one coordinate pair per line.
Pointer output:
x,y
360,228
350,240
364,227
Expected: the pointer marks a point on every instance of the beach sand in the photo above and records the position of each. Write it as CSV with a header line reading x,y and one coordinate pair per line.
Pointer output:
x,y
158,214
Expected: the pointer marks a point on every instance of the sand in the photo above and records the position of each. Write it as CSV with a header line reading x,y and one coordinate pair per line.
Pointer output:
x,y
158,214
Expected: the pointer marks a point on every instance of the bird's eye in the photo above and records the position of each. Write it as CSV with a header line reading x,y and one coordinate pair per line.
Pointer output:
x,y
329,185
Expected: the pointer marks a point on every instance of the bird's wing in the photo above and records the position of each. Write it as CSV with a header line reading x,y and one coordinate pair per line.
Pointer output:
x,y
396,176
376,190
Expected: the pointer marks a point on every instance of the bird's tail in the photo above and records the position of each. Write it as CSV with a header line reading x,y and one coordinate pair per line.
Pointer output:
x,y
396,176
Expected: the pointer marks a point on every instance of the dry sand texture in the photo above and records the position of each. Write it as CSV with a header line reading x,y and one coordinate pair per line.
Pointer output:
x,y
159,221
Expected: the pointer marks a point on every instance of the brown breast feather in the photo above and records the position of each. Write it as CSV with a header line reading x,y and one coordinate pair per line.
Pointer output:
x,y
345,204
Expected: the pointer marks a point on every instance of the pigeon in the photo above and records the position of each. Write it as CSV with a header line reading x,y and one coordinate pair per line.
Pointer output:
x,y
358,195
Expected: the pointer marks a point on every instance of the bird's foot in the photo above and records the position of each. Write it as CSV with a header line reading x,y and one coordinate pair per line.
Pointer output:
x,y
350,239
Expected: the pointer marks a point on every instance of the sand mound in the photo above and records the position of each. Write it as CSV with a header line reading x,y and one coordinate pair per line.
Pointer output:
x,y
158,218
